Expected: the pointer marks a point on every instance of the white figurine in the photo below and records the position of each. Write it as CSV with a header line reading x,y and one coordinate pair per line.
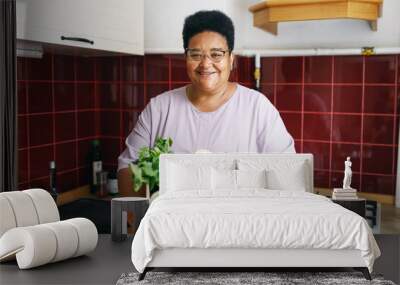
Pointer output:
x,y
347,174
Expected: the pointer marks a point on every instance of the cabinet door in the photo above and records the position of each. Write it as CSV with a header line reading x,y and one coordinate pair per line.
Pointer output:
x,y
107,25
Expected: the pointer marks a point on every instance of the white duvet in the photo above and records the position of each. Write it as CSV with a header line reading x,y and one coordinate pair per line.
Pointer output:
x,y
251,218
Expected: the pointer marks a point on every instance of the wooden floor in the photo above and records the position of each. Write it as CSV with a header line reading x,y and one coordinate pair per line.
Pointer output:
x,y
390,219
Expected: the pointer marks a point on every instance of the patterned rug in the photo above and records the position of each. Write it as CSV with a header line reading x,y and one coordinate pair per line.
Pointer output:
x,y
243,278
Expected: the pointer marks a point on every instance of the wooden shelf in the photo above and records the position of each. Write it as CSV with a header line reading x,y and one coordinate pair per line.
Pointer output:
x,y
267,14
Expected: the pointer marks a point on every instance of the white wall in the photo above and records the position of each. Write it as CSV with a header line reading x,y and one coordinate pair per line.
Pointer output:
x,y
164,22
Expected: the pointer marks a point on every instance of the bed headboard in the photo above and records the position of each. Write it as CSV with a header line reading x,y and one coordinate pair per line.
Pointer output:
x,y
301,165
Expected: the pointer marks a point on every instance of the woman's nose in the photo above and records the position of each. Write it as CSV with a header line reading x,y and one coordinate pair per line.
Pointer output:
x,y
205,60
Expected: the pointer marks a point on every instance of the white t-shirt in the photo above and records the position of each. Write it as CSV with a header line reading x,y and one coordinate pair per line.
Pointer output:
x,y
247,122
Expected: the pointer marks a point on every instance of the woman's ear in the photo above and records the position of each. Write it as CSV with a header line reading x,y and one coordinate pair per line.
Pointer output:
x,y
232,60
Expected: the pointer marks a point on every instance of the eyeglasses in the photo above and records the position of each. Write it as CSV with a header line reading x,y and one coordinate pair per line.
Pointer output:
x,y
215,55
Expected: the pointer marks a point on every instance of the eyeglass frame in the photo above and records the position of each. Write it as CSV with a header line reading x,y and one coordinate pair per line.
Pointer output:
x,y
206,54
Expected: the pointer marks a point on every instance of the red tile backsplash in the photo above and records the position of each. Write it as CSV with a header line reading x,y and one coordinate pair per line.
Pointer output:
x,y
321,153
317,98
66,156
346,128
40,129
380,69
157,68
132,95
85,95
378,130
318,69
110,123
22,95
347,99
289,70
293,123
377,159
288,97
348,69
39,69
86,124
317,127
267,70
379,99
132,68
334,106
40,99
178,69
64,99
64,68
22,132
39,158
108,95
65,126
84,68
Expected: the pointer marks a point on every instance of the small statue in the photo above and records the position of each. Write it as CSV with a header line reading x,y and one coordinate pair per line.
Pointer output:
x,y
347,174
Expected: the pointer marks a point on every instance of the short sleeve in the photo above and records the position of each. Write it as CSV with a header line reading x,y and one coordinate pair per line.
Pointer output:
x,y
273,135
139,137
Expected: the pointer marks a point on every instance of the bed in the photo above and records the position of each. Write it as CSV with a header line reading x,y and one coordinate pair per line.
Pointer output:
x,y
245,211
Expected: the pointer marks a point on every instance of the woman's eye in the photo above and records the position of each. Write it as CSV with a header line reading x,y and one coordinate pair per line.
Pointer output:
x,y
196,56
217,55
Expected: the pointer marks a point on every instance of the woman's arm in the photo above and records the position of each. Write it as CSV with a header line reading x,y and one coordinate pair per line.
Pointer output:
x,y
125,184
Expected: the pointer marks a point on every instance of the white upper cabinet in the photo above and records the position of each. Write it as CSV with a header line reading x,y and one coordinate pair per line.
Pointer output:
x,y
105,25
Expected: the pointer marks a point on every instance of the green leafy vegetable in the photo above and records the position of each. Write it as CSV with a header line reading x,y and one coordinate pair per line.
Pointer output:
x,y
146,170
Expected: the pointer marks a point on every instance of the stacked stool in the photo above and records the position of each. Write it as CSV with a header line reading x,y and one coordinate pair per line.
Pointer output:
x,y
31,231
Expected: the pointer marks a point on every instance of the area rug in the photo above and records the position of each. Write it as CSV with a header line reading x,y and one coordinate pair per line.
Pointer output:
x,y
244,278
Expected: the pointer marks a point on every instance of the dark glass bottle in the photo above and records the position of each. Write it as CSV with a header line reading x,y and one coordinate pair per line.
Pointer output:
x,y
53,184
96,164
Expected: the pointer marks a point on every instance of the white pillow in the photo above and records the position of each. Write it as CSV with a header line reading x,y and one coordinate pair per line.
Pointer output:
x,y
292,179
223,179
183,177
251,178
281,174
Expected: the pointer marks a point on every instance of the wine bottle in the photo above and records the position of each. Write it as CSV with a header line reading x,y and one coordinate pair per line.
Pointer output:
x,y
96,164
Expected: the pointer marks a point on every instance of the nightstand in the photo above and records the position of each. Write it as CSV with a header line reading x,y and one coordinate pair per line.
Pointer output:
x,y
355,205
120,209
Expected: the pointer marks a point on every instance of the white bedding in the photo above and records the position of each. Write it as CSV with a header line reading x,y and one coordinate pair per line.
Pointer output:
x,y
251,218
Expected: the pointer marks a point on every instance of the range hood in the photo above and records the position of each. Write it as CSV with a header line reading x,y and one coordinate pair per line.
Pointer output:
x,y
267,14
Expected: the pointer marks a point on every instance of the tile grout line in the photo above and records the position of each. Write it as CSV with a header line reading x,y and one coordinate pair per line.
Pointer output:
x,y
303,61
27,122
362,125
331,126
275,85
76,120
120,106
395,138
53,110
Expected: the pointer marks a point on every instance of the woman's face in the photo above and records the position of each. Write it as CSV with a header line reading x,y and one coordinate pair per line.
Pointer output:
x,y
204,73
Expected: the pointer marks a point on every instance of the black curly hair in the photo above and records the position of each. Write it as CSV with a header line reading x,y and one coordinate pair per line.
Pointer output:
x,y
214,21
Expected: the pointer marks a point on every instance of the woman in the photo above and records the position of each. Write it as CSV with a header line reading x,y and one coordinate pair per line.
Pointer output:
x,y
210,113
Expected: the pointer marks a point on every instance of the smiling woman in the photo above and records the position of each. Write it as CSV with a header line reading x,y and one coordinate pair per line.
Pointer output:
x,y
211,113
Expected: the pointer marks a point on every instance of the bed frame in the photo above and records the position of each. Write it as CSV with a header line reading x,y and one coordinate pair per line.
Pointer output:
x,y
249,258
242,259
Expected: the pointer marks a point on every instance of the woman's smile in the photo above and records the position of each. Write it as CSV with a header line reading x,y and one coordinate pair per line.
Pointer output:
x,y
203,73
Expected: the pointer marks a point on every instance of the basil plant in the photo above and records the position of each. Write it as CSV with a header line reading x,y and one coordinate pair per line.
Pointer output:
x,y
146,169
